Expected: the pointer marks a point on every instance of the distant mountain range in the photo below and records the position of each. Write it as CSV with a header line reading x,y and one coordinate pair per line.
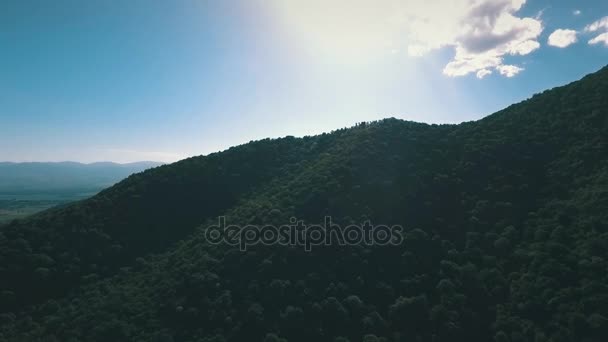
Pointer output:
x,y
64,177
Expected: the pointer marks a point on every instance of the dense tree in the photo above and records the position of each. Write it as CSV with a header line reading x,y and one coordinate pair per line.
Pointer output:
x,y
505,238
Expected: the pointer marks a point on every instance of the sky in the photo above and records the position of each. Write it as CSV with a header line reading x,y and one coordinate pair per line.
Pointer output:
x,y
156,80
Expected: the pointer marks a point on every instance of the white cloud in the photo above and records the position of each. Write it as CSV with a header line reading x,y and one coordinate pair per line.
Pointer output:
x,y
524,48
509,70
483,73
481,32
597,25
576,12
602,38
562,38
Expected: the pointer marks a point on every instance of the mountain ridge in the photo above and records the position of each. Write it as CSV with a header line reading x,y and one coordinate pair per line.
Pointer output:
x,y
505,234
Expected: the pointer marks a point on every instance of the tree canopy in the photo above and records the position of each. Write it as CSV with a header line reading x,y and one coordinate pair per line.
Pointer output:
x,y
505,238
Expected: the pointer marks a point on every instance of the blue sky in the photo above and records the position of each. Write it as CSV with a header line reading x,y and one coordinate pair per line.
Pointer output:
x,y
164,80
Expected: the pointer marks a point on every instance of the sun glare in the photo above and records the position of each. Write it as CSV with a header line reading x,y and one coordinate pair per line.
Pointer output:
x,y
347,31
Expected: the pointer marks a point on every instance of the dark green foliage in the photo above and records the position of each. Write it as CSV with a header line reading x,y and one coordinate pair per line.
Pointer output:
x,y
506,238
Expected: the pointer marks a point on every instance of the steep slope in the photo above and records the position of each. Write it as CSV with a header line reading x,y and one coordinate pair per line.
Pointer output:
x,y
506,238
49,253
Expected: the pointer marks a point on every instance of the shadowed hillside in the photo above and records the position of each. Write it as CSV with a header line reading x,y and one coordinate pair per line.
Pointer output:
x,y
505,238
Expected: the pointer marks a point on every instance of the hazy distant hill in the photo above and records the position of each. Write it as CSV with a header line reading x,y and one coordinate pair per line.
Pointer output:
x,y
505,238
64,177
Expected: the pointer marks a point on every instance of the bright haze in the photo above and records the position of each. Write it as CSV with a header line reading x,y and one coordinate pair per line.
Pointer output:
x,y
163,80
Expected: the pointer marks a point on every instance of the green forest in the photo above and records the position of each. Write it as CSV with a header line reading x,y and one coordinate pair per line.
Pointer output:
x,y
505,238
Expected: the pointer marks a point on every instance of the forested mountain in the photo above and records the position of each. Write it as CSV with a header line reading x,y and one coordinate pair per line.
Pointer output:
x,y
64,177
505,238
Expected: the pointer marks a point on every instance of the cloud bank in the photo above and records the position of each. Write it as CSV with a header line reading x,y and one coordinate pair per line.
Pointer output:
x,y
562,38
481,33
